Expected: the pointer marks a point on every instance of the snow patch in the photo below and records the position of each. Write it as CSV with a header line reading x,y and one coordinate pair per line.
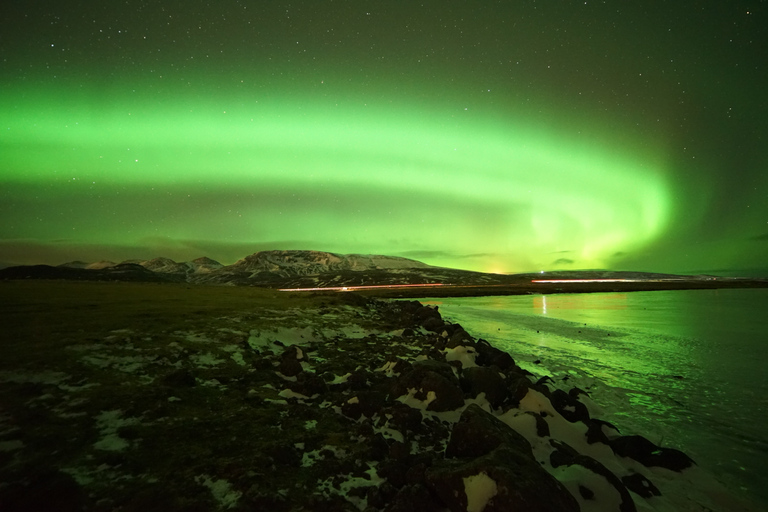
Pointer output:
x,y
479,488
221,489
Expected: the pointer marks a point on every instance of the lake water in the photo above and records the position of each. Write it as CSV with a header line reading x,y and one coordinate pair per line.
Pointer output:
x,y
687,369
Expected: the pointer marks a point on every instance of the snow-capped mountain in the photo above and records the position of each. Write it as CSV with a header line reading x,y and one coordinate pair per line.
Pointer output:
x,y
168,266
305,263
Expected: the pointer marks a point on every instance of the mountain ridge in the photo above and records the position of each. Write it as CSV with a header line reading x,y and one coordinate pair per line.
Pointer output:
x,y
297,269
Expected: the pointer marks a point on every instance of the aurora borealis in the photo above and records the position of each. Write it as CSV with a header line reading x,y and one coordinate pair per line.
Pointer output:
x,y
507,137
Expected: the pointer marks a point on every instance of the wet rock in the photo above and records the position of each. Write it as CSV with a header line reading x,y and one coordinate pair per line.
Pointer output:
x,y
517,386
432,323
649,454
640,485
564,455
569,407
481,379
460,337
478,433
520,483
595,433
488,355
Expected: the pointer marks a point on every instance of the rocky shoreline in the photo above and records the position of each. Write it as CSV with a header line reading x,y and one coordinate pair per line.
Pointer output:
x,y
318,403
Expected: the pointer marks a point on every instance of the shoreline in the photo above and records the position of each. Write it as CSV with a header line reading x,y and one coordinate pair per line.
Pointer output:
x,y
426,291
234,398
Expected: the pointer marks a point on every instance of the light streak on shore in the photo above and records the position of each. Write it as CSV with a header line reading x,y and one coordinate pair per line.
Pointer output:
x,y
353,288
604,280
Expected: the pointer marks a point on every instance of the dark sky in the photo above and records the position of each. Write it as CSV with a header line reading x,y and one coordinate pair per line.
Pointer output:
x,y
496,136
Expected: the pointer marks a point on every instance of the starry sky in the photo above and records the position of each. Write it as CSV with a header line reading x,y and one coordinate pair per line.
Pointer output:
x,y
495,136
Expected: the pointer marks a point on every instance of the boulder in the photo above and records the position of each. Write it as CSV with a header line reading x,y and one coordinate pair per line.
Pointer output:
x,y
308,384
488,355
568,406
649,454
431,377
564,455
640,485
479,379
505,479
477,433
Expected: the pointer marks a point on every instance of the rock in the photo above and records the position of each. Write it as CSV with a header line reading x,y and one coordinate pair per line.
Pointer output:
x,y
428,377
45,489
404,418
379,495
358,379
308,384
569,407
179,378
564,455
290,367
394,472
477,433
481,379
432,323
517,386
489,355
640,485
414,498
368,403
513,481
648,454
595,433
460,337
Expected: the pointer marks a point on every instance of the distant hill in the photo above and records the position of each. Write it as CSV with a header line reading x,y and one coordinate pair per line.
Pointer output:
x,y
317,269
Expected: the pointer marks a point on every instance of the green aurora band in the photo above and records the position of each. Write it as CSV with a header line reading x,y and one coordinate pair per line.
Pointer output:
x,y
469,189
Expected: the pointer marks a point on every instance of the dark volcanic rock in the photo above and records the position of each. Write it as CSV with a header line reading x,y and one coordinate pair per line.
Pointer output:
x,y
414,498
521,483
432,376
640,485
478,433
481,379
564,455
648,454
432,323
488,355
309,384
179,378
569,407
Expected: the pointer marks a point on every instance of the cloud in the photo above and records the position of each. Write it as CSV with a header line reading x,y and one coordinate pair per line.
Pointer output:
x,y
563,261
760,238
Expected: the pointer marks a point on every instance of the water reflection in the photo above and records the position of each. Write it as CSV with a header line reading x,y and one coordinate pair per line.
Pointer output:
x,y
682,367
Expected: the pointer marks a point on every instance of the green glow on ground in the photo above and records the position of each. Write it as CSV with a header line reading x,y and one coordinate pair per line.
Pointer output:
x,y
454,187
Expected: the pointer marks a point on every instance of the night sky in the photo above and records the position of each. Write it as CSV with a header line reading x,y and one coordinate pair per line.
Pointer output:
x,y
494,136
